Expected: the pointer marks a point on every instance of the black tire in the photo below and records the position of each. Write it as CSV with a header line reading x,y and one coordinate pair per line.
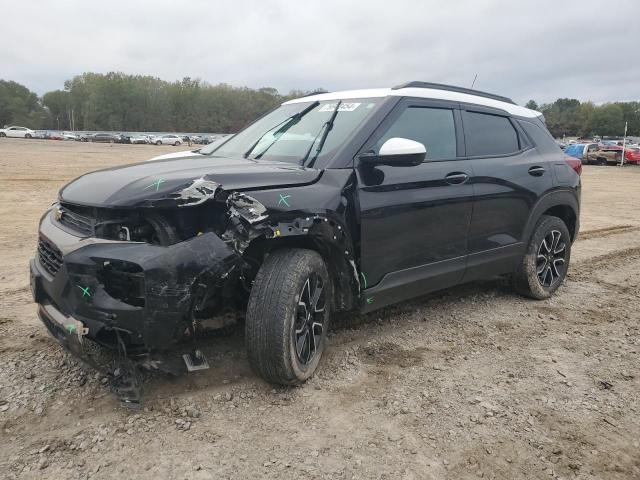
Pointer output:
x,y
544,266
158,143
2,134
28,135
276,317
177,144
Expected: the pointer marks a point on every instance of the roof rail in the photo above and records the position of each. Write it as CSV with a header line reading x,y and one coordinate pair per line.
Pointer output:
x,y
451,88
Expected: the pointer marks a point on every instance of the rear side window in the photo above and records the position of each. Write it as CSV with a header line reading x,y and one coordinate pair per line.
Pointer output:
x,y
433,127
487,134
545,142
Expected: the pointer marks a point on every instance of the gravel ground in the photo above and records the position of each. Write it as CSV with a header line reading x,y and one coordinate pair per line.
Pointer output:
x,y
472,382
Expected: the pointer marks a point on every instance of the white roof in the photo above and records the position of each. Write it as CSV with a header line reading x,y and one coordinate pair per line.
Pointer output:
x,y
431,93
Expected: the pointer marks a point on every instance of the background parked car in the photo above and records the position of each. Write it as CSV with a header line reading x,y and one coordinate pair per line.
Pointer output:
x,y
69,136
577,150
632,155
140,138
101,137
17,132
605,154
169,139
55,136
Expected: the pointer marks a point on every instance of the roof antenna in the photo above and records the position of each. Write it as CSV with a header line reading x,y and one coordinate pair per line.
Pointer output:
x,y
474,80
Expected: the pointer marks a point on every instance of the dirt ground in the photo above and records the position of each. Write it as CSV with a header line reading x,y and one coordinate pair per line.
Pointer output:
x,y
472,382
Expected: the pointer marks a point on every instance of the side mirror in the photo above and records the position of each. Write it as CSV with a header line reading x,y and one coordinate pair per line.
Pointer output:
x,y
400,152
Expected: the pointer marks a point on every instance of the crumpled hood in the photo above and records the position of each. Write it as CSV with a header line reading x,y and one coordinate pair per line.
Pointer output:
x,y
144,183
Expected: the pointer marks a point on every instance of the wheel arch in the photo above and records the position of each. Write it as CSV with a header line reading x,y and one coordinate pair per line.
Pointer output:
x,y
330,240
562,204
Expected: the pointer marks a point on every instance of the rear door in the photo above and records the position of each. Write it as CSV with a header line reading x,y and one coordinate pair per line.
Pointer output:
x,y
415,220
509,176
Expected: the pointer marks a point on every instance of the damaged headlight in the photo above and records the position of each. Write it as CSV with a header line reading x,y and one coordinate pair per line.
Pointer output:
x,y
151,228
130,231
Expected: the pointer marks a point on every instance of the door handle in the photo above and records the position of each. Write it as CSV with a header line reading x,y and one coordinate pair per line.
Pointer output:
x,y
456,178
536,171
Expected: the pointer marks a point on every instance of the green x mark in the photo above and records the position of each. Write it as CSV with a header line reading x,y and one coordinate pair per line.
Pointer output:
x,y
85,291
156,184
284,200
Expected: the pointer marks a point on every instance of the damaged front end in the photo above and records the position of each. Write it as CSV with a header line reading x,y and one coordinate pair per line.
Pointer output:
x,y
153,274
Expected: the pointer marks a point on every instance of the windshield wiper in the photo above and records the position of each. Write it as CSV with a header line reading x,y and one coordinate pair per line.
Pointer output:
x,y
324,131
283,126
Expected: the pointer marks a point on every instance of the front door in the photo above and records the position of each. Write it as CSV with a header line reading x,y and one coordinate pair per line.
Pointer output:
x,y
415,220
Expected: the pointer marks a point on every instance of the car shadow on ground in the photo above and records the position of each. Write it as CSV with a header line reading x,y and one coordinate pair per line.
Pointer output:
x,y
227,357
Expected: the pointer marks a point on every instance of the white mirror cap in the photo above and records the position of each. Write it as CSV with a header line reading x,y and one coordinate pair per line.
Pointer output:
x,y
401,146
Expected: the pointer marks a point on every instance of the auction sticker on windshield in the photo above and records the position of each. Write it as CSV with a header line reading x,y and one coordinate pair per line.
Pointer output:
x,y
344,107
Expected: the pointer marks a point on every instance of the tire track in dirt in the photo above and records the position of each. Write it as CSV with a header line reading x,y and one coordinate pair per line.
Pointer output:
x,y
612,259
605,232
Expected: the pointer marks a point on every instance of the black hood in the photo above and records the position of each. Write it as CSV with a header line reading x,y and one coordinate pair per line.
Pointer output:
x,y
143,183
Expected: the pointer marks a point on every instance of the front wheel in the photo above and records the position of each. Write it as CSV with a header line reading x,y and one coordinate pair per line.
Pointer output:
x,y
546,261
28,135
158,142
288,316
2,134
177,144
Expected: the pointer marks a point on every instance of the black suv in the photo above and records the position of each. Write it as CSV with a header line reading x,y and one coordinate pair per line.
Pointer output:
x,y
345,201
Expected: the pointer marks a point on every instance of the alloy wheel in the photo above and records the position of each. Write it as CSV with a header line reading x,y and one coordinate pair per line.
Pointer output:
x,y
309,322
551,259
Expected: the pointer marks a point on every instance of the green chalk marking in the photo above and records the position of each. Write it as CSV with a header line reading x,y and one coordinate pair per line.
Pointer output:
x,y
284,200
369,300
72,328
364,279
85,291
156,184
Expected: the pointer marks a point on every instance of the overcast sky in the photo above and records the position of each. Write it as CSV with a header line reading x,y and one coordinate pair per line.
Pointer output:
x,y
523,49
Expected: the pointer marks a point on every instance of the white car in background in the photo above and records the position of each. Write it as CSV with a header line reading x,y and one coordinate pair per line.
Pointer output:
x,y
206,150
141,138
70,136
169,139
17,132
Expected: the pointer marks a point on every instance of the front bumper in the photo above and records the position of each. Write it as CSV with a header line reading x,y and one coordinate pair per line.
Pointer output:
x,y
145,292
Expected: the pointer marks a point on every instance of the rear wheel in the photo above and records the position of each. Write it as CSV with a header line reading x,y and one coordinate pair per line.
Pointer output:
x,y
158,142
544,265
288,316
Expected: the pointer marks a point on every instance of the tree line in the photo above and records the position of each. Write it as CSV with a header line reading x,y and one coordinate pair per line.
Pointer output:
x,y
121,102
569,117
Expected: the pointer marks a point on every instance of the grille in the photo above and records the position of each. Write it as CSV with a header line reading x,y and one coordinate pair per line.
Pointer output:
x,y
77,218
49,256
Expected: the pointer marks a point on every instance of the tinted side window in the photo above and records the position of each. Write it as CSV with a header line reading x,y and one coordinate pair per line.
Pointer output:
x,y
433,127
544,141
487,134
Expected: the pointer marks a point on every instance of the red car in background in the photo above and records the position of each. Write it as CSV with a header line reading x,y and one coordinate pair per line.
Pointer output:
x,y
632,155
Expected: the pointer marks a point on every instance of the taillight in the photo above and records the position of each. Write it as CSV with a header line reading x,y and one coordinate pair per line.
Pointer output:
x,y
574,163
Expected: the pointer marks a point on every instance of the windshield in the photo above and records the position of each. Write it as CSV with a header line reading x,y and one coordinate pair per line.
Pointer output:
x,y
277,137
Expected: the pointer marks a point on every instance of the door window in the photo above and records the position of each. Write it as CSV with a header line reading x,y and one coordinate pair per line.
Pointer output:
x,y
487,134
433,127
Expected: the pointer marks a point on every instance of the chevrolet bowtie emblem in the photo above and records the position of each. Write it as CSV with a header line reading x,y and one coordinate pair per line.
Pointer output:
x,y
58,213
